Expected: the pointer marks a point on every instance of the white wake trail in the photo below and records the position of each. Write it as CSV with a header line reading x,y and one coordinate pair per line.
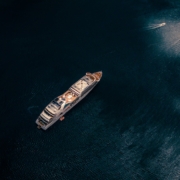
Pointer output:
x,y
154,26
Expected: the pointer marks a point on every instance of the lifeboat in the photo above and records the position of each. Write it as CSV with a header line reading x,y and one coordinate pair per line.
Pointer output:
x,y
62,118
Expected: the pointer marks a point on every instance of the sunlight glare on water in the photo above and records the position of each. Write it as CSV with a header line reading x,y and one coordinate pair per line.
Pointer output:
x,y
171,38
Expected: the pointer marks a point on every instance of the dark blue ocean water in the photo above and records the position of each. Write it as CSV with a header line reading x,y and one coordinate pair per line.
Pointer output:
x,y
128,127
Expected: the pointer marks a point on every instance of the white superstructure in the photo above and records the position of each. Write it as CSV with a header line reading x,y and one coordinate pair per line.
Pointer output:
x,y
56,109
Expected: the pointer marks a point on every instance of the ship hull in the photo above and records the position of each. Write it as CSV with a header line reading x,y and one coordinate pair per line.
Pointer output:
x,y
77,98
58,118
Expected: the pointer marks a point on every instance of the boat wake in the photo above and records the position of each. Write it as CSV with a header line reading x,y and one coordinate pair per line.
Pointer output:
x,y
153,26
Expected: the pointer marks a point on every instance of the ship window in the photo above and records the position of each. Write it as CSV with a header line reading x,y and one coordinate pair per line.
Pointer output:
x,y
56,99
87,79
60,103
66,105
55,103
48,113
42,120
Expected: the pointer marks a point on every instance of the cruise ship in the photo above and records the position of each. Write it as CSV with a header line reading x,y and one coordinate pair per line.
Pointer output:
x,y
58,107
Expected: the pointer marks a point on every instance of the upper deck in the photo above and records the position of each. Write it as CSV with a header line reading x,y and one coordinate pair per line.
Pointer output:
x,y
69,96
86,81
